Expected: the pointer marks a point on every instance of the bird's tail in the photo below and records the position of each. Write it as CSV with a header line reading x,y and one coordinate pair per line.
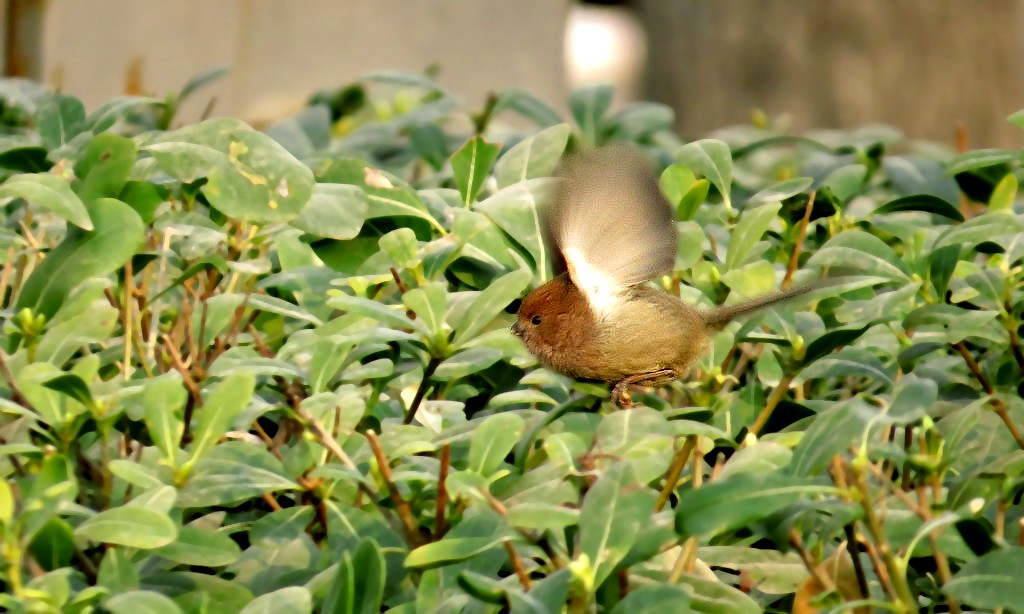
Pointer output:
x,y
717,317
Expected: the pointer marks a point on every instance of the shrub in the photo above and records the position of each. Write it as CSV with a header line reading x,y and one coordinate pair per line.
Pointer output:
x,y
250,371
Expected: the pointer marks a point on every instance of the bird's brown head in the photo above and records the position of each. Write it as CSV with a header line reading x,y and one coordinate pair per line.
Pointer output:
x,y
553,319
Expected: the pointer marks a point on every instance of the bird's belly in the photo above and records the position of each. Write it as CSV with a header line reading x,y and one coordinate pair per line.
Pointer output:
x,y
647,337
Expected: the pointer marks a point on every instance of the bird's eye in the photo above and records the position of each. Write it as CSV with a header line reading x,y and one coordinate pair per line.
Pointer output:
x,y
535,320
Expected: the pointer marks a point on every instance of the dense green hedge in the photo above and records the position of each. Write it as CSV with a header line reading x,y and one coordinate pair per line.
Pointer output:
x,y
271,371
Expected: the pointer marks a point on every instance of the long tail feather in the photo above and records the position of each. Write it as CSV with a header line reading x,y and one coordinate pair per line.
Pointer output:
x,y
723,314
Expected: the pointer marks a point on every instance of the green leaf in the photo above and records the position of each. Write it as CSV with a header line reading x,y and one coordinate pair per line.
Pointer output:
x,y
981,158
489,304
534,156
1017,119
289,599
73,386
542,516
471,164
846,181
431,143
655,600
105,166
59,118
694,198
358,587
141,602
589,105
492,440
828,342
117,574
780,191
748,231
250,177
108,115
118,232
51,193
335,211
430,304
401,247
942,263
921,202
832,432
135,527
986,227
993,581
449,550
1004,194
729,504
219,410
195,546
467,362
527,105
515,210
912,399
201,80
233,472
385,314
860,250
711,159
611,516
675,181
711,596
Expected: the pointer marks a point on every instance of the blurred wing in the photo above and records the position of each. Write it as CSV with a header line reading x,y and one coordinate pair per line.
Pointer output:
x,y
611,223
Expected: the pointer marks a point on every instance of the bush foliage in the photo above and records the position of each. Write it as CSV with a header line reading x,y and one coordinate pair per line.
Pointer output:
x,y
258,371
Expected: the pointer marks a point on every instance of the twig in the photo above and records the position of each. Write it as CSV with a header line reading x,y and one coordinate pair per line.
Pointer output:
x,y
823,580
897,578
442,492
674,471
421,392
858,567
412,535
776,397
16,395
794,258
997,403
517,564
941,562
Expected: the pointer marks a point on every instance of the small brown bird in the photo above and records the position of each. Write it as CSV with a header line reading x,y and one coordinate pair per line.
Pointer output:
x,y
599,320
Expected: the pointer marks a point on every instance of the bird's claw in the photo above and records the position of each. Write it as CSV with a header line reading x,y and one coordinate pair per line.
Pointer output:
x,y
621,397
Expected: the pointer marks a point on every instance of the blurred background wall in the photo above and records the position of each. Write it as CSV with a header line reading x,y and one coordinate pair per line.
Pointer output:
x,y
923,66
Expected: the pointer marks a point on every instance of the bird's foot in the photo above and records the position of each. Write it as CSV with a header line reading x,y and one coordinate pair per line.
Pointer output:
x,y
620,395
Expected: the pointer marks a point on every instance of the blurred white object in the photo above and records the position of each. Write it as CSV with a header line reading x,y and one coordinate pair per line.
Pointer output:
x,y
605,44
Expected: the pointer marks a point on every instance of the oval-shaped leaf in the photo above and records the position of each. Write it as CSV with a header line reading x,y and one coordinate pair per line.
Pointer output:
x,y
50,192
129,526
921,202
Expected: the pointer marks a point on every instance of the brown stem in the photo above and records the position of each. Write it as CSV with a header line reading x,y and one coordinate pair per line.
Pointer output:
x,y
812,566
997,403
941,562
787,281
777,395
442,492
16,395
674,471
858,566
412,534
517,564
421,392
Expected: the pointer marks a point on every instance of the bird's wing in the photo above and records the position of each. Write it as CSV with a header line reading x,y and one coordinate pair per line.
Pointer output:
x,y
611,223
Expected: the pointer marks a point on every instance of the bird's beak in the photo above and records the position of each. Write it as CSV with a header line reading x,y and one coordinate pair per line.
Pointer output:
x,y
516,329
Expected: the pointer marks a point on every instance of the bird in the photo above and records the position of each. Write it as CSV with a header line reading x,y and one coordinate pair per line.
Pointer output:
x,y
599,319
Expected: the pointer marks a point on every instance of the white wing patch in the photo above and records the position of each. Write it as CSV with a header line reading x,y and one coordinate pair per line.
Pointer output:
x,y
602,292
